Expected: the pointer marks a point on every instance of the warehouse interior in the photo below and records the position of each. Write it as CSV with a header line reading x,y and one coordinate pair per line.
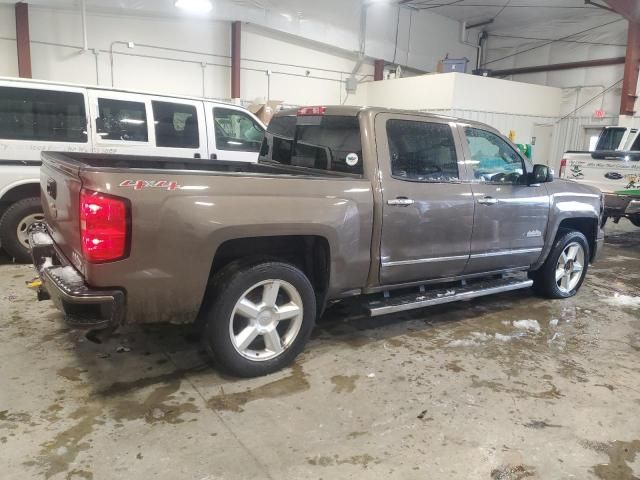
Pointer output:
x,y
511,386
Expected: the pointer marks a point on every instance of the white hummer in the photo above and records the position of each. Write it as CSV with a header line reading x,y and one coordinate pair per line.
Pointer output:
x,y
614,168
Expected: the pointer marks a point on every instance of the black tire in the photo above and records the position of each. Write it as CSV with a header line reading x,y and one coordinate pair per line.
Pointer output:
x,y
544,279
227,287
635,219
9,222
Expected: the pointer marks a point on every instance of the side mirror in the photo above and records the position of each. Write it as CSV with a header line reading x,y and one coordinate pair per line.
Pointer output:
x,y
541,174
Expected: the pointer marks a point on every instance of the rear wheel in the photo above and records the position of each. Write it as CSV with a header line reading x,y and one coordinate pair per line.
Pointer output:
x,y
260,317
14,225
635,219
565,268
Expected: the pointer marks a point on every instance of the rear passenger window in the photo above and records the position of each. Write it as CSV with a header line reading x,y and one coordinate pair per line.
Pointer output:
x,y
236,131
122,120
42,115
422,151
176,125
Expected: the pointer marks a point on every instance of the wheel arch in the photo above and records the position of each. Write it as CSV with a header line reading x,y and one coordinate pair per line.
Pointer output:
x,y
310,253
587,225
18,190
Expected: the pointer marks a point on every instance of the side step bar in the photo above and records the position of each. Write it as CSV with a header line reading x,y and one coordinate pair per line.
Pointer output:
x,y
412,301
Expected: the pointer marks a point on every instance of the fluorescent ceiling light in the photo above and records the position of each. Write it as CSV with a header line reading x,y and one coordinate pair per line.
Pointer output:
x,y
194,6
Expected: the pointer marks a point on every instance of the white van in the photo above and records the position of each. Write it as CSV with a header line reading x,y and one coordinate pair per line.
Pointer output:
x,y
36,116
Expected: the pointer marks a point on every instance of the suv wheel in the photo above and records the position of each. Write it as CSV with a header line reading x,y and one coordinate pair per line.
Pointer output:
x,y
635,219
564,270
14,225
260,317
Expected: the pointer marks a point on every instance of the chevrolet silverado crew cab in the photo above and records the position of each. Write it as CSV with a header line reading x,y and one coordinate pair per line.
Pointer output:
x,y
37,116
403,209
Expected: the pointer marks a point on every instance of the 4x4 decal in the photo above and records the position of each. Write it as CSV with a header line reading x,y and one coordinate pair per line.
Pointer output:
x,y
141,184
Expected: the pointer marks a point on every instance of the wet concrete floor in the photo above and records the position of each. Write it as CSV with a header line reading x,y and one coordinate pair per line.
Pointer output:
x,y
452,392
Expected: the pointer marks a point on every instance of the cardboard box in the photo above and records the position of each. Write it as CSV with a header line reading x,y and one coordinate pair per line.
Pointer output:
x,y
264,110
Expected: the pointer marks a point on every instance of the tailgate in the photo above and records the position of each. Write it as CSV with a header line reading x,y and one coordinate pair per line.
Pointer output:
x,y
609,175
60,184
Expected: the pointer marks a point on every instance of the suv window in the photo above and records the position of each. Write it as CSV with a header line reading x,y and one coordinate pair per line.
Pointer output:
x,y
176,125
422,151
328,142
237,131
42,115
493,160
122,120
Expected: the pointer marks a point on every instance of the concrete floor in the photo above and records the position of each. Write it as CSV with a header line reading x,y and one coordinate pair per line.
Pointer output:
x,y
453,392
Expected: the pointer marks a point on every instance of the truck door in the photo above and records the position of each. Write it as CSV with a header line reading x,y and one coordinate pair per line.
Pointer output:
x,y
427,208
234,134
511,216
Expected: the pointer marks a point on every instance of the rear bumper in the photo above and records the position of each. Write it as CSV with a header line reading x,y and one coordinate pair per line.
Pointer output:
x,y
83,306
621,205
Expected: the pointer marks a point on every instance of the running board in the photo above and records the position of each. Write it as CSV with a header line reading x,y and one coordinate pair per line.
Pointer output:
x,y
445,295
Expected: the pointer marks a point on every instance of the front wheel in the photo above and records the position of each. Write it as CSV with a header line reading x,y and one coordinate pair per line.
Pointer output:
x,y
635,219
565,268
14,226
260,318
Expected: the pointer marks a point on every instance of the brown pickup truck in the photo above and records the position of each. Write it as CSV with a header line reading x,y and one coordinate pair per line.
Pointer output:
x,y
403,209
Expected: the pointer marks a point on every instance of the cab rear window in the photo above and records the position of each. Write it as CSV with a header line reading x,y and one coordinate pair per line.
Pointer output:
x,y
328,142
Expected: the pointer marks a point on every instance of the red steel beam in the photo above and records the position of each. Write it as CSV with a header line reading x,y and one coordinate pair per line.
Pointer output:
x,y
22,39
378,70
629,9
631,64
558,66
236,35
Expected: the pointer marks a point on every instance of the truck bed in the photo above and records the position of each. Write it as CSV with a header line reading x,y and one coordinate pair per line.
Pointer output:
x,y
183,212
105,161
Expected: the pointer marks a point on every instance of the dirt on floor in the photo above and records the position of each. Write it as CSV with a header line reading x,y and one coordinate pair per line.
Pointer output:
x,y
507,387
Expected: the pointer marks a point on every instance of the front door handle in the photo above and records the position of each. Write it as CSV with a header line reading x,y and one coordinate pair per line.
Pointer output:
x,y
400,201
487,201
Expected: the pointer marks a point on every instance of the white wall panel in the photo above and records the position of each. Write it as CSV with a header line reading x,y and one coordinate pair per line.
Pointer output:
x,y
8,53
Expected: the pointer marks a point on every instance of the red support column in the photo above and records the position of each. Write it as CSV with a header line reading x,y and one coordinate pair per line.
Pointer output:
x,y
235,59
378,70
631,64
22,40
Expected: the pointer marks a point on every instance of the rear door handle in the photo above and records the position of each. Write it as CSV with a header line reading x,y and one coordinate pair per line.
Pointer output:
x,y
400,201
487,201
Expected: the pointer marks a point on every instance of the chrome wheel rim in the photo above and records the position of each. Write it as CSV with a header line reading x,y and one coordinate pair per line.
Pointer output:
x,y
569,267
266,320
23,227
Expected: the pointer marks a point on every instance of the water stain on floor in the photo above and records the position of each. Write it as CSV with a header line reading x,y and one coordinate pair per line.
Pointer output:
x,y
71,373
344,383
620,453
294,383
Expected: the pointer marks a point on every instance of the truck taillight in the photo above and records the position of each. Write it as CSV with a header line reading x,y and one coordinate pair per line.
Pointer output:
x,y
303,111
104,226
563,167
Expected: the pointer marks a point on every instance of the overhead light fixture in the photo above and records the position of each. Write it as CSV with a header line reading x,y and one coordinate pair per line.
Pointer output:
x,y
194,6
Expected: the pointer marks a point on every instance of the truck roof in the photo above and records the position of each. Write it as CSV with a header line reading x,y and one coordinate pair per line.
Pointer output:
x,y
352,111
